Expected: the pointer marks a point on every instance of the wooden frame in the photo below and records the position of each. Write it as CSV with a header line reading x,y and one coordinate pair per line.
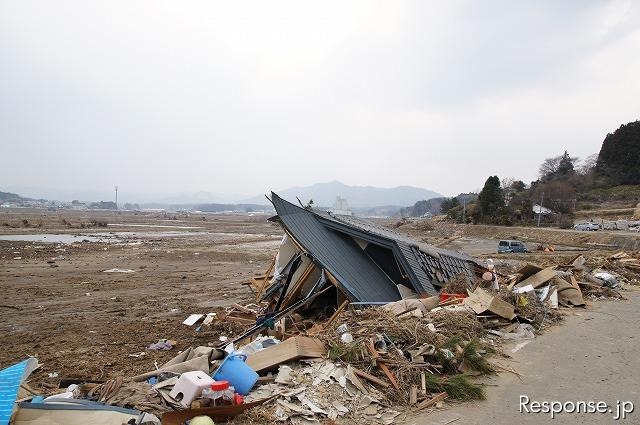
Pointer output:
x,y
263,287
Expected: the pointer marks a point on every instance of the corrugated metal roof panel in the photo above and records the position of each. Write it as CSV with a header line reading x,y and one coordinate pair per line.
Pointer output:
x,y
362,279
428,264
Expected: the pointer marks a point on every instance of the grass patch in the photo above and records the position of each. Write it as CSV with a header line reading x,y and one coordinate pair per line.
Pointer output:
x,y
474,360
345,352
459,387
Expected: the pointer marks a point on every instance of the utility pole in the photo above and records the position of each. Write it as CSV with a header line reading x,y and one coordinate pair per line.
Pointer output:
x,y
464,210
116,197
540,209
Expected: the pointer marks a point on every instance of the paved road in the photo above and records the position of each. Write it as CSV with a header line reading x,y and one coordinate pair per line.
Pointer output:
x,y
594,355
557,229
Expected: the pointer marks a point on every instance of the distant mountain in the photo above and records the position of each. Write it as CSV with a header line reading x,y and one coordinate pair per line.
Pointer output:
x,y
232,208
8,196
124,195
324,195
201,197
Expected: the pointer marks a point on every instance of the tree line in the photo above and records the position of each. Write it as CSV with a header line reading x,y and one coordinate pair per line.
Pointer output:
x,y
563,182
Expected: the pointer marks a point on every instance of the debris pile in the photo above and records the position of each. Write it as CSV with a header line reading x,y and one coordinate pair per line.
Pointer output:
x,y
361,362
390,362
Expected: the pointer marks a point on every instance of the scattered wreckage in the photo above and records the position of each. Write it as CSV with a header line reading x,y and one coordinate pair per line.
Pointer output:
x,y
351,321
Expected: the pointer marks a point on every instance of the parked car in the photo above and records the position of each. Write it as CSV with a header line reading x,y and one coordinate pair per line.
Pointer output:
x,y
511,246
586,226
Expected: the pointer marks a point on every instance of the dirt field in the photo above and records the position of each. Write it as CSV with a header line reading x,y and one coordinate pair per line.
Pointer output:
x,y
80,322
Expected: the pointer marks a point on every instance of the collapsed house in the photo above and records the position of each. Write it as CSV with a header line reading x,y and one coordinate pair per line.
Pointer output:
x,y
333,258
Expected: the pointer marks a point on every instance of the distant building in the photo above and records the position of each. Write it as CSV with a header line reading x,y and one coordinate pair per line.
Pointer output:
x,y
538,209
341,207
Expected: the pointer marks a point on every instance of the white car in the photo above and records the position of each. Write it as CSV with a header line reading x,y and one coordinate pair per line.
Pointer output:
x,y
586,226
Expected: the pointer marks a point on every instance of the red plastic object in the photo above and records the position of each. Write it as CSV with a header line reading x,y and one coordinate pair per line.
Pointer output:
x,y
220,385
238,399
446,297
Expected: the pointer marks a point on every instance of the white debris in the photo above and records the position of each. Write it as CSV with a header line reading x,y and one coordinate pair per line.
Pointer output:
x,y
284,375
340,408
192,319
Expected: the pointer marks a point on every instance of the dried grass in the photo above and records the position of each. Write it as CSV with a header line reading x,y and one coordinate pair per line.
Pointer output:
x,y
406,331
453,329
458,285
457,323
259,415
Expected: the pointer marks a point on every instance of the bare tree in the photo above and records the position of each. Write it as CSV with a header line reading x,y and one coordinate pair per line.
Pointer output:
x,y
507,182
559,167
588,164
549,166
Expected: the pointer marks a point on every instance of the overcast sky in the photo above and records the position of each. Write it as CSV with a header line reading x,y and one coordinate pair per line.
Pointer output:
x,y
245,97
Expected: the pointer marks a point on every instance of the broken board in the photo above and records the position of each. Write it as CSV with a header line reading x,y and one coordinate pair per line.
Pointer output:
x,y
539,278
481,301
295,348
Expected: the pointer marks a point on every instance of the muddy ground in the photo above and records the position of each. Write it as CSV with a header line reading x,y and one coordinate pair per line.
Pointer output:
x,y
82,323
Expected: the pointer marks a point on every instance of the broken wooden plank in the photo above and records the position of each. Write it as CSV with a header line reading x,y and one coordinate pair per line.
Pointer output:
x,y
369,377
266,379
294,292
413,395
243,309
432,402
295,348
263,287
481,301
385,369
242,320
389,374
539,278
574,282
335,315
332,279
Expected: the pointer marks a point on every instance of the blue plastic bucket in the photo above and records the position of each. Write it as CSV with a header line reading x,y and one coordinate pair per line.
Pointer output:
x,y
237,372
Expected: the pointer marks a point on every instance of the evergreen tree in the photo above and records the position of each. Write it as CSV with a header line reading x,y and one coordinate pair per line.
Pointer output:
x,y
490,198
518,186
565,166
558,168
448,204
619,158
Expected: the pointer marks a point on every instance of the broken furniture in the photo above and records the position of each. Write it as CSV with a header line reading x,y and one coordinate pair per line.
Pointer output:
x,y
190,386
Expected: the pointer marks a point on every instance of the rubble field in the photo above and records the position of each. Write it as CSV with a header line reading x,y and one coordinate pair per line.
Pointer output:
x,y
109,314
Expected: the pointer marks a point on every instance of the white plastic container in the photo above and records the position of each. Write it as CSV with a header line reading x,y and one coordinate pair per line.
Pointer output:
x,y
220,394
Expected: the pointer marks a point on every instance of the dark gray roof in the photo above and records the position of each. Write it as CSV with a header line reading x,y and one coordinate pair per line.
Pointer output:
x,y
426,264
361,278
368,226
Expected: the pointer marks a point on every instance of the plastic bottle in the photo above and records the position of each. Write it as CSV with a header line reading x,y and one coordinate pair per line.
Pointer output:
x,y
253,347
220,394
346,337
